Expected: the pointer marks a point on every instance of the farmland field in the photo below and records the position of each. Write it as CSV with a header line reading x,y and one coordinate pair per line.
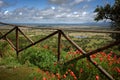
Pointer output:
x,y
39,62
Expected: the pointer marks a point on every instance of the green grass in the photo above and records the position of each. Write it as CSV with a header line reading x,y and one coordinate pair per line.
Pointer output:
x,y
23,73
44,56
19,73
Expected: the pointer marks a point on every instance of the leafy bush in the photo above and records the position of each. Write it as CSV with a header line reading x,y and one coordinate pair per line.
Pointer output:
x,y
9,61
42,58
3,47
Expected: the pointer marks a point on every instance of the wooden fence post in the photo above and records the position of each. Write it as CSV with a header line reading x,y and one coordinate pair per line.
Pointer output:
x,y
60,32
17,41
59,44
88,57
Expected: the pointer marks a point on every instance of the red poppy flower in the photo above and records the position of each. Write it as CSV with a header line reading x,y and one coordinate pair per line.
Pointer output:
x,y
93,56
44,78
101,59
58,75
97,77
34,78
72,74
118,69
81,70
64,76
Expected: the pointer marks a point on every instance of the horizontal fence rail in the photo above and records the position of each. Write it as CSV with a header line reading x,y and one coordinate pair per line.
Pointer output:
x,y
60,33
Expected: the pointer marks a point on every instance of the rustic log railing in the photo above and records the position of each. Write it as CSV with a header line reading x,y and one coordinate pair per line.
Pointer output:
x,y
60,33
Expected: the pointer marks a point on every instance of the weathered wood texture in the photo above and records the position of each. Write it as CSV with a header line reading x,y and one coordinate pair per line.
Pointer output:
x,y
25,36
50,35
12,45
59,43
17,41
88,57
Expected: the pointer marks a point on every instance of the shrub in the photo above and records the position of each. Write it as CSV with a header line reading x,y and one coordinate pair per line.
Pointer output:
x,y
42,58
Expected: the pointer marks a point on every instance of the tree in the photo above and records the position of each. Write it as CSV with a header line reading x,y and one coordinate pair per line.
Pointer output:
x,y
112,13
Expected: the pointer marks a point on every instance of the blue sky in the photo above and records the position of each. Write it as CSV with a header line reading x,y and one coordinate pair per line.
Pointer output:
x,y
49,11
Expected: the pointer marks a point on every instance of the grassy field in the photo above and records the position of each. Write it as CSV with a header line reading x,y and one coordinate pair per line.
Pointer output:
x,y
24,73
40,61
19,73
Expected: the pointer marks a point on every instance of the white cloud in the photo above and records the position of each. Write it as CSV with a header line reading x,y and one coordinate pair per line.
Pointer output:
x,y
6,12
75,12
75,2
78,1
20,13
84,13
64,12
53,7
58,1
67,2
2,4
58,14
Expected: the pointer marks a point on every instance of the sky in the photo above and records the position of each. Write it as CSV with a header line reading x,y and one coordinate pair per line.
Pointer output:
x,y
49,11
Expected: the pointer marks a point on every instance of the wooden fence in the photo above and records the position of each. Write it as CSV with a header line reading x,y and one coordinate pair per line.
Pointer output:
x,y
60,33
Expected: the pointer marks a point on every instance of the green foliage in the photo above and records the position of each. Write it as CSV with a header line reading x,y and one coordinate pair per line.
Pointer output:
x,y
44,56
4,46
35,75
8,57
9,61
112,13
108,11
40,57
